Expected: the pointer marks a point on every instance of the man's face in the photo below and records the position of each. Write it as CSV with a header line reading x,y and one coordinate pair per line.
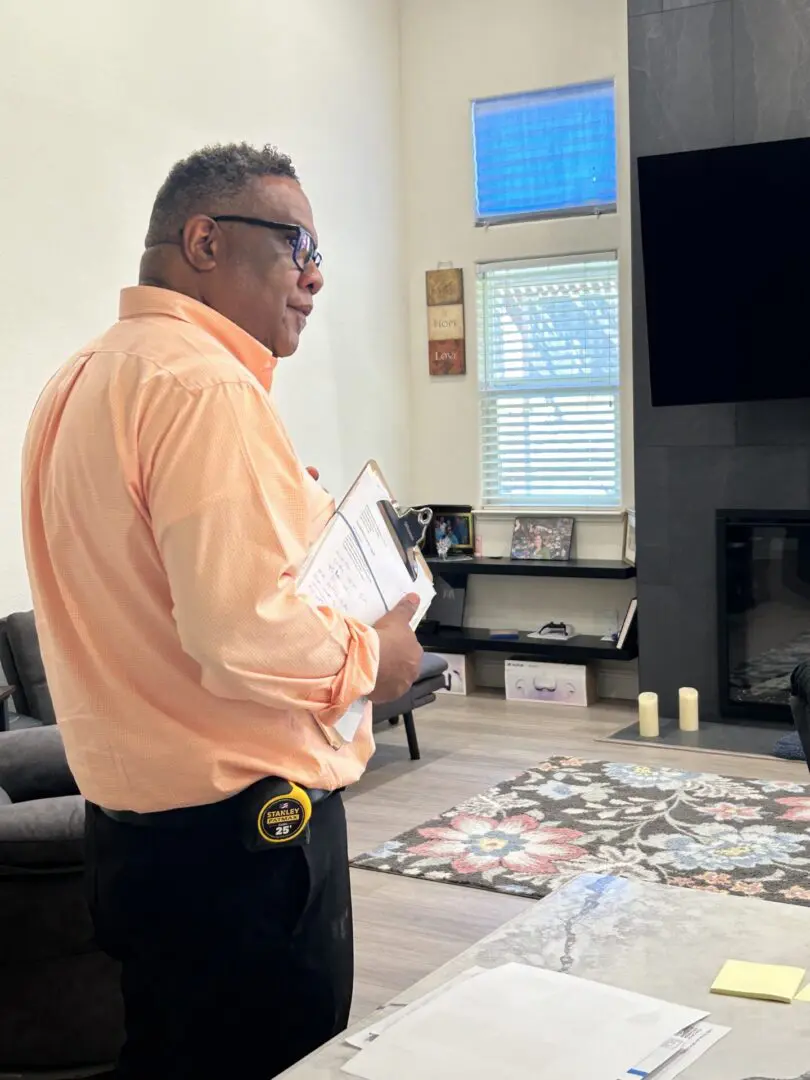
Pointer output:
x,y
255,282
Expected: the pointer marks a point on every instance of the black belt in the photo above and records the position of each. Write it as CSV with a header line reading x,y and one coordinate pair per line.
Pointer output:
x,y
286,817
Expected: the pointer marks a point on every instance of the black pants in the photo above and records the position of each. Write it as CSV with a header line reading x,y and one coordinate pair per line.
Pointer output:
x,y
234,964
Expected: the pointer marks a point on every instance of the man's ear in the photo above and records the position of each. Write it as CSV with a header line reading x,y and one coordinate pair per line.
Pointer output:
x,y
199,241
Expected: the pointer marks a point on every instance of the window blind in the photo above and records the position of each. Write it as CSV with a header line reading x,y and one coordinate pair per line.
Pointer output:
x,y
549,356
545,153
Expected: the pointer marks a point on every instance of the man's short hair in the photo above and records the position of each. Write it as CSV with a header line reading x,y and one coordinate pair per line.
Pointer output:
x,y
207,180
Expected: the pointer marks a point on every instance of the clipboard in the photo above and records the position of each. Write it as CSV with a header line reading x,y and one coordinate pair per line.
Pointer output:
x,y
364,562
406,527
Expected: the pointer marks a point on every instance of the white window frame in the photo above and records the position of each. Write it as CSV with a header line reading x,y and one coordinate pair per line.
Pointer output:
x,y
491,503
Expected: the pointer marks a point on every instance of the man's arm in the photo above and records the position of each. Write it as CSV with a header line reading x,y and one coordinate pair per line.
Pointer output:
x,y
230,515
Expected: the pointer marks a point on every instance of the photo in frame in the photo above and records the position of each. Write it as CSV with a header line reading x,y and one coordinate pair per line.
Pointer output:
x,y
629,544
453,523
542,538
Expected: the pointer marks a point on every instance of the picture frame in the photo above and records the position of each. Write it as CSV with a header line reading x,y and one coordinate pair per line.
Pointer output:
x,y
627,623
629,542
458,522
542,538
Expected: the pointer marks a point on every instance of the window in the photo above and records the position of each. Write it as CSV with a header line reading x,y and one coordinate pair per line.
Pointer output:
x,y
549,153
549,355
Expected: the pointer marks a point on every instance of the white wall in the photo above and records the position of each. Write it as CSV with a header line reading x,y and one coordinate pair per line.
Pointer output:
x,y
454,51
100,98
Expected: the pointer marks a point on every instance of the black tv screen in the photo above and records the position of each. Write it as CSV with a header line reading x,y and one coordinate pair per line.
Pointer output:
x,y
726,244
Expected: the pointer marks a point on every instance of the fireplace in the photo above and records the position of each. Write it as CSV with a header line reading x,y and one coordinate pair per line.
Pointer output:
x,y
763,607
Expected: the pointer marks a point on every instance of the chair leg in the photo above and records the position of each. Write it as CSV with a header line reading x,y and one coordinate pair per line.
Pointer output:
x,y
393,720
410,731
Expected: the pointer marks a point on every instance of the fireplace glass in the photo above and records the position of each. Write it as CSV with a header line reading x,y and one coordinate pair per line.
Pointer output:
x,y
764,609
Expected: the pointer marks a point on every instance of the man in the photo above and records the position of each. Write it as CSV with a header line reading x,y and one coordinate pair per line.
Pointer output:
x,y
166,516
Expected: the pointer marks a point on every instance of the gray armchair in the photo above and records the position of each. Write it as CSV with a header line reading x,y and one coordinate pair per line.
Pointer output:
x,y
432,677
21,661
60,999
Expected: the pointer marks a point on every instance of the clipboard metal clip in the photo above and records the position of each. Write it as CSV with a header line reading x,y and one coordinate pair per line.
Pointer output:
x,y
408,528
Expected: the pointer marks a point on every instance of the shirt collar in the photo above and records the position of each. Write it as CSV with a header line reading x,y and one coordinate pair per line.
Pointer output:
x,y
150,300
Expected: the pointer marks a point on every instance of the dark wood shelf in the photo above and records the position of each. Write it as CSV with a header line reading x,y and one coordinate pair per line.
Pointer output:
x,y
570,568
578,650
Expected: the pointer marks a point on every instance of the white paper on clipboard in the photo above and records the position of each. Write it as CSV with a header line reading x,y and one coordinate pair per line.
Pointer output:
x,y
357,568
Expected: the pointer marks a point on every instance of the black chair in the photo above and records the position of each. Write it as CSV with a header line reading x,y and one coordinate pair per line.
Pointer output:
x,y
800,705
61,1011
432,677
21,661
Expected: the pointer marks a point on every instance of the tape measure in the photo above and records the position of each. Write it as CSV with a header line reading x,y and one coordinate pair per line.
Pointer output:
x,y
276,813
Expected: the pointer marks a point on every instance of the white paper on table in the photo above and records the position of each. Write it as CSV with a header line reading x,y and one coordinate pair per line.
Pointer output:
x,y
667,1051
356,567
702,1037
367,1035
517,1022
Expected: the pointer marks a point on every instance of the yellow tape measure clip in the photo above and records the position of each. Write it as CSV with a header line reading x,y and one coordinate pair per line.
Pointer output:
x,y
284,816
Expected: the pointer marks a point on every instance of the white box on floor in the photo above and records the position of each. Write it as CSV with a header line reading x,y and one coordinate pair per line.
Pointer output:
x,y
553,684
460,672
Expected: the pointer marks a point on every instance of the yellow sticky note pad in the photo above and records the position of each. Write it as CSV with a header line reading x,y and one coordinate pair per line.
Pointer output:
x,y
769,982
803,995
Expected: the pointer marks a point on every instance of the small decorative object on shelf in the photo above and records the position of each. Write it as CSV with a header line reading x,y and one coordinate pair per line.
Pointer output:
x,y
559,631
542,538
648,715
629,545
454,524
443,545
688,709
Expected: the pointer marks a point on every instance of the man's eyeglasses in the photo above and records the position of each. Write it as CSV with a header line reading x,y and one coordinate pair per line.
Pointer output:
x,y
302,243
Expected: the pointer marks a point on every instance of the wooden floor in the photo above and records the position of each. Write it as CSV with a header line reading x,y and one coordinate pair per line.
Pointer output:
x,y
405,928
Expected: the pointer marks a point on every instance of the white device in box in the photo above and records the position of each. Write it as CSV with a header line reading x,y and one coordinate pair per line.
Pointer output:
x,y
555,684
459,673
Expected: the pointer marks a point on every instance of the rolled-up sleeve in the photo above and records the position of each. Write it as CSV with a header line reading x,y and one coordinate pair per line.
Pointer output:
x,y
232,522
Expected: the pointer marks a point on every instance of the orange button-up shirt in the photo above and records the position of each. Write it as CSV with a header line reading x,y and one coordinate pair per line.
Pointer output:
x,y
166,516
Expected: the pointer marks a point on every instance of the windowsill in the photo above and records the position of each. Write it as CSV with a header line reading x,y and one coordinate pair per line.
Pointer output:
x,y
593,514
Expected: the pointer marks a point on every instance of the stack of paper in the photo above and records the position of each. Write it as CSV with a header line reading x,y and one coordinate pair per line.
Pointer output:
x,y
678,1053
517,1022
358,568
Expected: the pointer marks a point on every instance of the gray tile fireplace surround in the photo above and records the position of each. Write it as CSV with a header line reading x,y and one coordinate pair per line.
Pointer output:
x,y
707,75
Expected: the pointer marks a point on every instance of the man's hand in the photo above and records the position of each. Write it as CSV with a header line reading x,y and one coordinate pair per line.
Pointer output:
x,y
400,652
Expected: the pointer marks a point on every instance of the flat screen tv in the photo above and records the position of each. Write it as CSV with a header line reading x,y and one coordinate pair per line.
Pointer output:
x,y
726,244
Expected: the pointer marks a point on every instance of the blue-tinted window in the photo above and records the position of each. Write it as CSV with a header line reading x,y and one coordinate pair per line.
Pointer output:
x,y
550,152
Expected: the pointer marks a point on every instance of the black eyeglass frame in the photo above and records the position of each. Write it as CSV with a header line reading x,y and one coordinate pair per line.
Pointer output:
x,y
302,236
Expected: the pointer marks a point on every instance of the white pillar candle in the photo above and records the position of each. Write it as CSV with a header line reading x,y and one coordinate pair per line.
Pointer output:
x,y
688,712
648,715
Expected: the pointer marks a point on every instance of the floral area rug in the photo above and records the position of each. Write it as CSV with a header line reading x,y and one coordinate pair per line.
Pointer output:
x,y
530,835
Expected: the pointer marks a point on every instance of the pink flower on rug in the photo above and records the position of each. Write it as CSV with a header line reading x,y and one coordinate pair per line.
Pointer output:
x,y
800,809
726,811
796,892
713,878
748,888
520,843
